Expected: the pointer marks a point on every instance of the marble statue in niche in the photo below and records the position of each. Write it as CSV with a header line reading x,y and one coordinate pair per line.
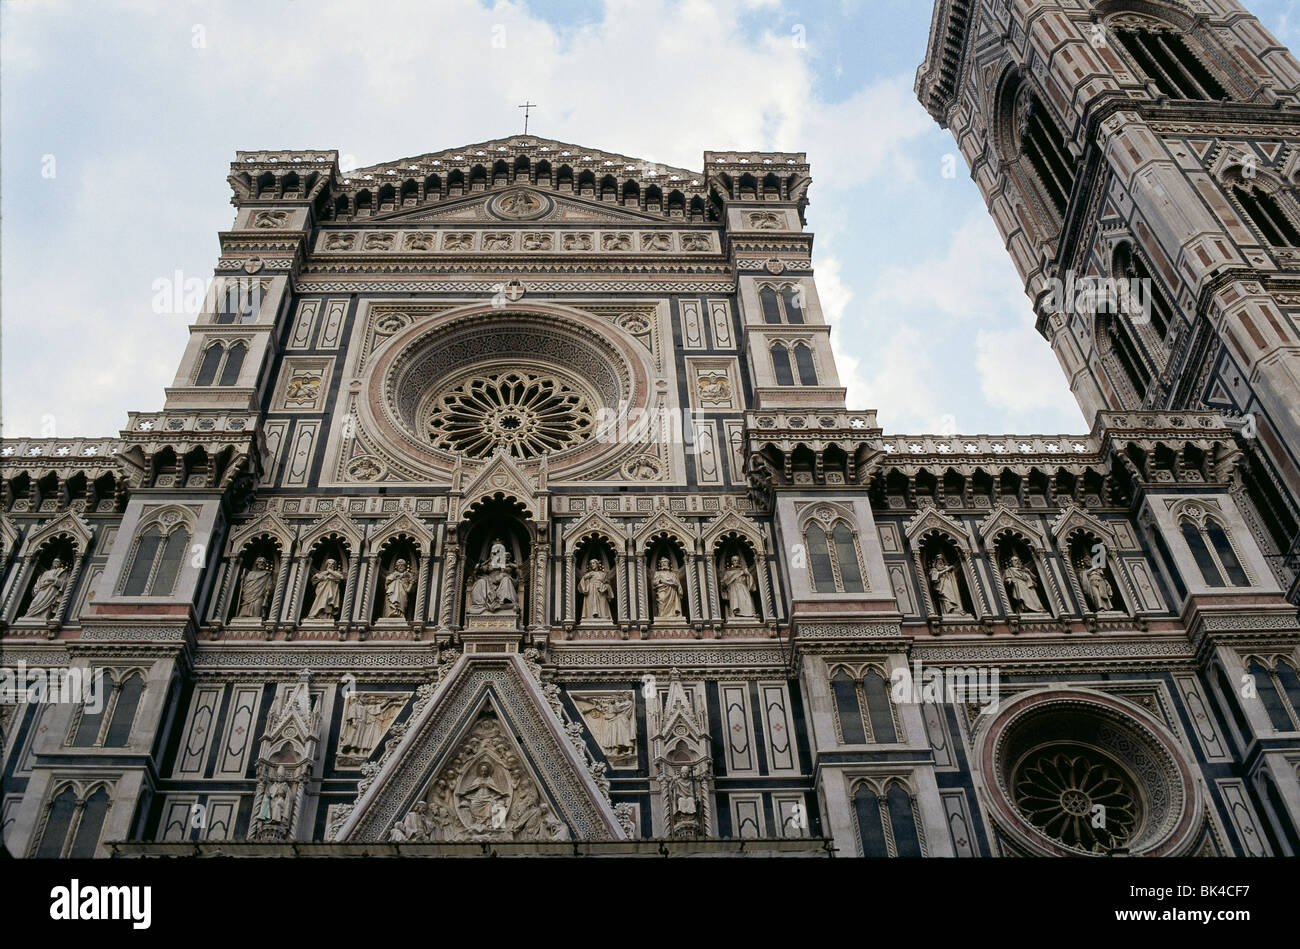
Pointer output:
x,y
667,585
494,589
1021,587
48,591
943,578
597,588
611,716
328,584
1100,593
682,788
737,583
275,802
398,583
255,590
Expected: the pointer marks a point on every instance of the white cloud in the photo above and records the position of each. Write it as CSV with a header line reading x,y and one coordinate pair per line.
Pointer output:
x,y
1018,371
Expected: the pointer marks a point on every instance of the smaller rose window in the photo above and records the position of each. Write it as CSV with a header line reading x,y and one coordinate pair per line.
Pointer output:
x,y
1078,797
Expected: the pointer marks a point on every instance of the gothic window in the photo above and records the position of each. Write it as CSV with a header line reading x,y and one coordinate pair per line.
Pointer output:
x,y
234,362
73,824
781,365
106,719
209,364
87,729
846,558
1267,215
771,305
157,561
1165,58
229,367
833,559
880,710
848,710
1278,687
126,699
1131,267
1057,788
1113,336
887,823
864,712
793,309
804,360
1042,143
1213,552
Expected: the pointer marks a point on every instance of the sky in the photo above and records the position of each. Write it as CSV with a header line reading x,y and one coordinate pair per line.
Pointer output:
x,y
119,120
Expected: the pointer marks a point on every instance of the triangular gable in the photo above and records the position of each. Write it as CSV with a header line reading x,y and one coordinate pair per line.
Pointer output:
x,y
1073,518
403,523
931,519
335,523
269,523
70,523
664,522
731,521
484,700
1003,518
593,522
501,476
486,154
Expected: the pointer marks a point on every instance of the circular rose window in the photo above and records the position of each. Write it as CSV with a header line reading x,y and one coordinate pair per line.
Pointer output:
x,y
526,413
1072,772
1078,796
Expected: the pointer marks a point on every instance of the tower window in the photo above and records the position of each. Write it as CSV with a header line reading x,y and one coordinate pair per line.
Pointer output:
x,y
1168,62
781,365
804,360
229,362
833,559
157,562
771,305
1213,553
1042,144
787,307
1267,215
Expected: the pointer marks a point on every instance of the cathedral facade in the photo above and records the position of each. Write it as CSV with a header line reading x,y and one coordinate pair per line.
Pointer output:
x,y
506,498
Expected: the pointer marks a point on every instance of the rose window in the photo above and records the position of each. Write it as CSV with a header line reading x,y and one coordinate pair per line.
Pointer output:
x,y
1077,797
527,414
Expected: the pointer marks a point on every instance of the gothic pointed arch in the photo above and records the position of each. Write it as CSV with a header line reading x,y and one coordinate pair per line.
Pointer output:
x,y
664,522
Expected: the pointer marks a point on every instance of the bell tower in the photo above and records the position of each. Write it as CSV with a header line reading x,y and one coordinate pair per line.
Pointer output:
x,y
1140,160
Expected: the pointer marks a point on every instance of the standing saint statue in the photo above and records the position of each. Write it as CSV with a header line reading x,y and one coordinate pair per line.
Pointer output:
x,y
47,591
668,591
328,583
597,592
255,591
943,576
1097,586
1021,588
397,589
738,589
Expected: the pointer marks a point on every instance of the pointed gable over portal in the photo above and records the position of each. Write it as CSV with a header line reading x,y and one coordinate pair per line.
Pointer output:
x,y
485,759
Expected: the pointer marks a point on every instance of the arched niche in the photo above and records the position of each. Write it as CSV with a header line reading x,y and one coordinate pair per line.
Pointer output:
x,y
949,586
667,569
1021,573
597,594
735,563
53,568
399,579
257,567
1090,560
496,550
327,591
